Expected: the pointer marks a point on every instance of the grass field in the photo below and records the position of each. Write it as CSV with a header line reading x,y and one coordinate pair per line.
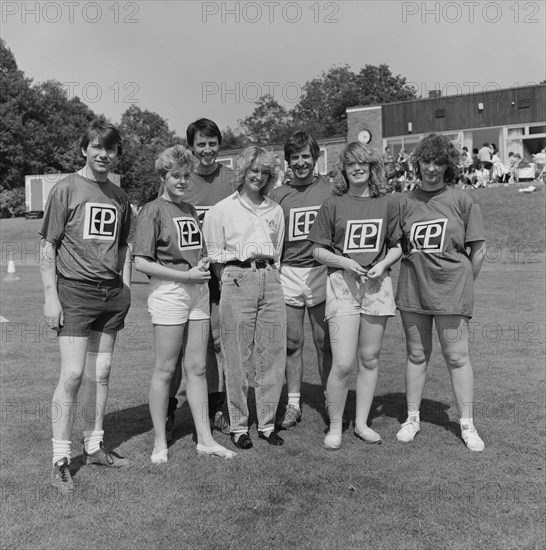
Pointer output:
x,y
433,493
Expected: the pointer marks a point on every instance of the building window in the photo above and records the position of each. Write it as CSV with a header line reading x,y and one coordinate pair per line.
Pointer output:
x,y
226,162
321,167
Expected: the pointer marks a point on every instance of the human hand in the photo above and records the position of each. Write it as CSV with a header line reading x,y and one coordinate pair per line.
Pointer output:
x,y
197,275
376,271
53,313
353,267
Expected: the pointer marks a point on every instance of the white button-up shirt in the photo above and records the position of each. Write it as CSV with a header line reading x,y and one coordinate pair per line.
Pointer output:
x,y
233,230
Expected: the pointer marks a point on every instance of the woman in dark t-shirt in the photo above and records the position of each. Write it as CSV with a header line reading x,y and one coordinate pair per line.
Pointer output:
x,y
443,246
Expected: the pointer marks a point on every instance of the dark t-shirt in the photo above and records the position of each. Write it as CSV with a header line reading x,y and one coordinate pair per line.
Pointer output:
x,y
300,206
360,228
436,272
87,222
169,234
205,191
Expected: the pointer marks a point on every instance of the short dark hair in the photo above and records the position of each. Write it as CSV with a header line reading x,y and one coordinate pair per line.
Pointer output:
x,y
106,132
439,149
299,141
204,126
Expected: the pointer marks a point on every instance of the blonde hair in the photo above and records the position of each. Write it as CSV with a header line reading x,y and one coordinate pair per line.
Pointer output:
x,y
174,157
357,152
261,157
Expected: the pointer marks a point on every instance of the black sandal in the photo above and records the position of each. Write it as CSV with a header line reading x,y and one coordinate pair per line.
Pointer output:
x,y
273,438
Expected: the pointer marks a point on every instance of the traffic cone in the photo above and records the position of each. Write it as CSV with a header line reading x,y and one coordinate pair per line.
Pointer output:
x,y
12,275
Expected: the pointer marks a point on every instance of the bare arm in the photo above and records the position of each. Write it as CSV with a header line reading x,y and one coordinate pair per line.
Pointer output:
x,y
328,258
197,275
477,255
392,256
53,311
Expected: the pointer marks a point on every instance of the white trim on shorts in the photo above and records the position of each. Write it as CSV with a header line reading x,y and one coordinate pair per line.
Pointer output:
x,y
303,286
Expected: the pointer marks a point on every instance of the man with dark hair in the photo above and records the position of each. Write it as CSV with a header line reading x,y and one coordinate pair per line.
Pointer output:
x,y
303,279
86,274
210,183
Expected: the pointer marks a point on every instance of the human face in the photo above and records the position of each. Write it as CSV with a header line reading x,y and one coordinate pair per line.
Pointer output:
x,y
176,182
432,174
256,177
100,159
302,165
358,174
205,149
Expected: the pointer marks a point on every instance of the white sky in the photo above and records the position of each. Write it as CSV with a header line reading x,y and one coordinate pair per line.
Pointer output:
x,y
187,59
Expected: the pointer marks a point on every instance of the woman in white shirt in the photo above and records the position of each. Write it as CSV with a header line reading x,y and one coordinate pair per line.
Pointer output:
x,y
244,235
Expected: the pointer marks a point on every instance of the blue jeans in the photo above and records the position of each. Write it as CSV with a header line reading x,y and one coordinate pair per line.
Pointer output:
x,y
253,324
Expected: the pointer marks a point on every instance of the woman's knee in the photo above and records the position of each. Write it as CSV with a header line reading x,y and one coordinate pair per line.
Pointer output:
x,y
418,355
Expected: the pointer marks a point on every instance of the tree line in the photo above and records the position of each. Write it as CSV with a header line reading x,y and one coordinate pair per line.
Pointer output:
x,y
42,125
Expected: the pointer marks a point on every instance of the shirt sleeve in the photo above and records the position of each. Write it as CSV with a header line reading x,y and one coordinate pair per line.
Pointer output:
x,y
321,230
394,230
474,230
214,236
146,233
55,215
126,234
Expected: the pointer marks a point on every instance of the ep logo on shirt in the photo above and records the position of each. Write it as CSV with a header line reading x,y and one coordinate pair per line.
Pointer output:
x,y
300,222
362,236
428,236
101,221
189,234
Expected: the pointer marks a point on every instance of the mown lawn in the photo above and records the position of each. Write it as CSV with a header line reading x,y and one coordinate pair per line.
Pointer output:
x,y
433,493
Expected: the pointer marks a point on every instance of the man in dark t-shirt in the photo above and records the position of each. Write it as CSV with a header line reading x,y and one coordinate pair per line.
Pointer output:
x,y
86,274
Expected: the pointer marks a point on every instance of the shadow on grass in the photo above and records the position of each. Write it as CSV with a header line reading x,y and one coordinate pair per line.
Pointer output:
x,y
391,405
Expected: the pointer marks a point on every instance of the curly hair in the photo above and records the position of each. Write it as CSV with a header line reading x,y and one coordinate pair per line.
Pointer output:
x,y
439,149
174,157
357,152
261,157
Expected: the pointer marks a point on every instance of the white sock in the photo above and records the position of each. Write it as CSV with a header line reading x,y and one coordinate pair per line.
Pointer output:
x,y
466,423
92,441
414,415
294,399
61,449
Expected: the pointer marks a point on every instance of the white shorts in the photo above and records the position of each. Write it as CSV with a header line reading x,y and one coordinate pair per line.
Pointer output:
x,y
171,303
304,286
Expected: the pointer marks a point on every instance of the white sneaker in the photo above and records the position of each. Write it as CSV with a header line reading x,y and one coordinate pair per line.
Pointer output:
x,y
410,428
471,438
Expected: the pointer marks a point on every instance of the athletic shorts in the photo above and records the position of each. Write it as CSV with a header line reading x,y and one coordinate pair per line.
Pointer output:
x,y
173,303
92,306
303,286
348,294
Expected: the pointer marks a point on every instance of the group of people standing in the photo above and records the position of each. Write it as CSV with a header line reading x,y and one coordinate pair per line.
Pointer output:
x,y
235,263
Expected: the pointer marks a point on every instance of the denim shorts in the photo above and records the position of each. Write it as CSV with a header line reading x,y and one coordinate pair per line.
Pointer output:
x,y
348,294
303,286
101,307
174,303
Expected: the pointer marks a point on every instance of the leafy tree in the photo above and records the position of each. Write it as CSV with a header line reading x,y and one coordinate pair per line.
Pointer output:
x,y
233,139
322,108
144,135
270,122
324,100
40,128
